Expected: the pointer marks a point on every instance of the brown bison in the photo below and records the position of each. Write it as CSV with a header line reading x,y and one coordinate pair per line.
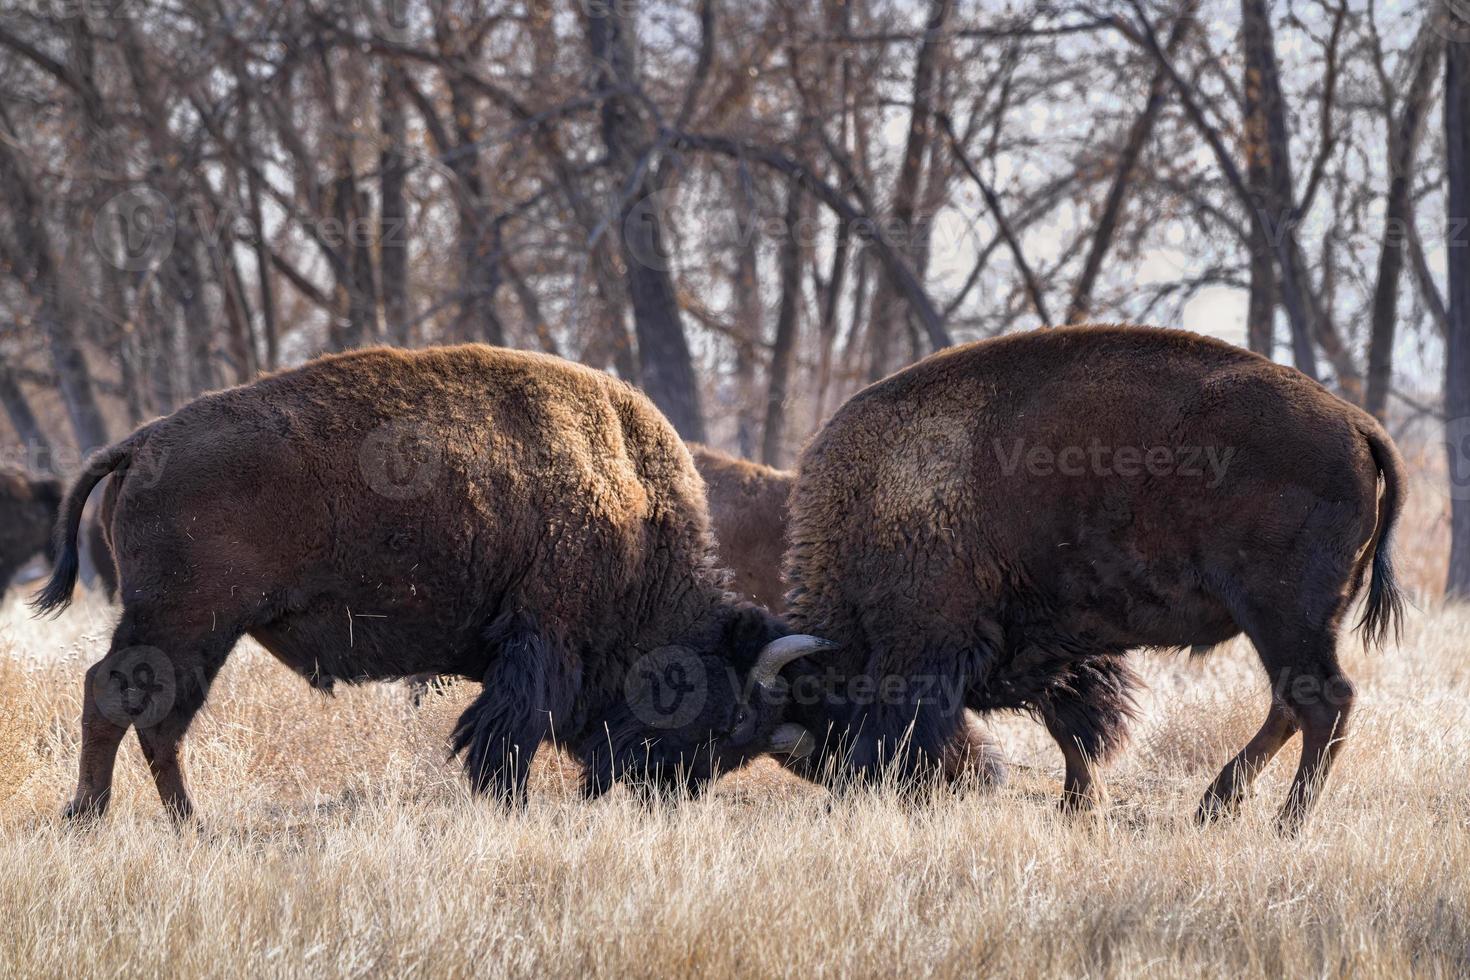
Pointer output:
x,y
498,515
27,513
997,525
747,509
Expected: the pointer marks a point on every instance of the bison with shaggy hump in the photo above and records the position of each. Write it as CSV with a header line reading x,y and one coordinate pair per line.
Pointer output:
x,y
27,513
498,515
997,525
747,508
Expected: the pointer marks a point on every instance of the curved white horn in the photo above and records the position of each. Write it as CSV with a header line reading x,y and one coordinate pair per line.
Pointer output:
x,y
779,653
793,741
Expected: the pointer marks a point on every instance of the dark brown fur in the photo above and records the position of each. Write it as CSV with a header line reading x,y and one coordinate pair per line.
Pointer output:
x,y
747,508
558,536
747,511
916,550
102,557
27,513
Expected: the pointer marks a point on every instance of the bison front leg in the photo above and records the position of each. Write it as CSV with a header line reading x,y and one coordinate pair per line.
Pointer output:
x,y
1088,717
528,689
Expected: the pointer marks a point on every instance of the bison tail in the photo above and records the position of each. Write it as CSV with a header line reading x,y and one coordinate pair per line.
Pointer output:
x,y
1384,611
56,596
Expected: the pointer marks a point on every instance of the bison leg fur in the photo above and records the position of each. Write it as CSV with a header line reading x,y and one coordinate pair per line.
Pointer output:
x,y
527,691
973,754
140,684
1322,703
1309,692
1232,787
101,736
1089,718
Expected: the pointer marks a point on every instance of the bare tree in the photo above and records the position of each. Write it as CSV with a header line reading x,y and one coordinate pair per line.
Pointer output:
x,y
1457,345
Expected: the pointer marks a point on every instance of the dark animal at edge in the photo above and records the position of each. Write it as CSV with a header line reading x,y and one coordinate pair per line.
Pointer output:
x,y
27,513
958,522
493,514
747,509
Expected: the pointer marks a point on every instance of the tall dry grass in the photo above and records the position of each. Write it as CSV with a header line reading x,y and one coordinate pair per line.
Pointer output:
x,y
337,840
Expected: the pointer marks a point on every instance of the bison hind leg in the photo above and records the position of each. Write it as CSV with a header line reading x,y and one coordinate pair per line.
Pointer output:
x,y
529,688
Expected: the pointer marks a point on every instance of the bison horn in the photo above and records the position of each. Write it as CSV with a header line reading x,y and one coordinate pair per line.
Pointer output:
x,y
792,741
779,653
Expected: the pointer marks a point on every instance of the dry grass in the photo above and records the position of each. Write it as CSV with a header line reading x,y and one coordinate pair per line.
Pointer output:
x,y
338,841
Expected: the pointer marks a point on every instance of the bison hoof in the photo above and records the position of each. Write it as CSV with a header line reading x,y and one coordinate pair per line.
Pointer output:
x,y
1075,804
1213,809
1290,820
83,812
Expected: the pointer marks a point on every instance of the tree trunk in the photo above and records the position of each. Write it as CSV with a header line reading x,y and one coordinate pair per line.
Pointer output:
x,y
783,348
54,311
1260,318
1457,347
1403,142
393,209
904,201
827,328
748,316
665,364
265,283
1277,207
478,319
22,418
1080,307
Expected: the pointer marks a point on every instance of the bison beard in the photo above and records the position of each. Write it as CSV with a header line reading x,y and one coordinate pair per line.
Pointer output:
x,y
924,551
497,515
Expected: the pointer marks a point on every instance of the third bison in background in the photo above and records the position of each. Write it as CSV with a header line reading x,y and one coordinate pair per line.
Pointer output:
x,y
997,525
748,513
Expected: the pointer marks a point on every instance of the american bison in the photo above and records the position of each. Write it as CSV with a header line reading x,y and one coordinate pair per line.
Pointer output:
x,y
498,515
997,525
27,513
747,508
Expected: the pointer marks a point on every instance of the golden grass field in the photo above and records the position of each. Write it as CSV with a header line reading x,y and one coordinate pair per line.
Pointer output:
x,y
336,840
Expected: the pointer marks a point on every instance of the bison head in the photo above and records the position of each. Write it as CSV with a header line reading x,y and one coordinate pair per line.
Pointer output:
x,y
689,714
